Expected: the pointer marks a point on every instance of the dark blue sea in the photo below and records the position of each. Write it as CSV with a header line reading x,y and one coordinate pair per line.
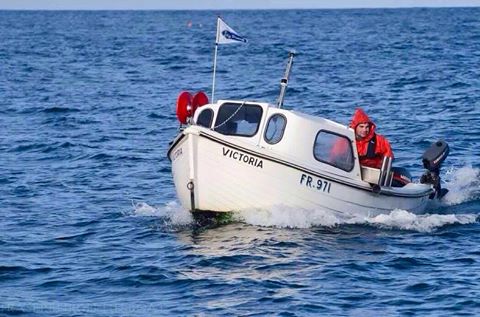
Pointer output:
x,y
89,220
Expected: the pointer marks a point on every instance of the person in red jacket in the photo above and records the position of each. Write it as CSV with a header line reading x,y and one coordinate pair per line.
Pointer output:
x,y
371,147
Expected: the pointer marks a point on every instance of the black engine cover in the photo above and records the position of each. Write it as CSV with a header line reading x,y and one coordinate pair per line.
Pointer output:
x,y
435,155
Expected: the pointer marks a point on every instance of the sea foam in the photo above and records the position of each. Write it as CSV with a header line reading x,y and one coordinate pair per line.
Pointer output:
x,y
171,212
463,185
285,217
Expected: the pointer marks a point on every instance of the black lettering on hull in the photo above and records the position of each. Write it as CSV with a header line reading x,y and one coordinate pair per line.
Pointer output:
x,y
320,184
242,157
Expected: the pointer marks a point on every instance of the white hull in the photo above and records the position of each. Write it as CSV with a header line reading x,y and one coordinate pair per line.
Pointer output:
x,y
229,176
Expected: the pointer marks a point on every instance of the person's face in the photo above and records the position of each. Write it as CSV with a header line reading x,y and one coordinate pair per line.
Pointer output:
x,y
362,130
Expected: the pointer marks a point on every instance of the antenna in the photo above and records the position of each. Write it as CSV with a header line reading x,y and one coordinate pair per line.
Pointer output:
x,y
284,80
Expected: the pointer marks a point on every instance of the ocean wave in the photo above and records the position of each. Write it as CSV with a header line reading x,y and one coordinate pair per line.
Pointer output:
x,y
173,215
16,271
59,109
46,147
154,115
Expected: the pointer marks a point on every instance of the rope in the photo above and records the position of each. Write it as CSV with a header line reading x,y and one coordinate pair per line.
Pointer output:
x,y
236,111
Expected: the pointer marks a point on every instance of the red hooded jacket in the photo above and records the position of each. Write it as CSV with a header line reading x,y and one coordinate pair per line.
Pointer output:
x,y
381,146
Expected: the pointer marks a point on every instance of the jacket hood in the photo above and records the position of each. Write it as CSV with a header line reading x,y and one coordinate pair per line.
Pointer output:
x,y
361,117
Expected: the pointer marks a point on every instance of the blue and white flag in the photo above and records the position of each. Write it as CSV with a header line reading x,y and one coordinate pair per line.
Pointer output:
x,y
226,35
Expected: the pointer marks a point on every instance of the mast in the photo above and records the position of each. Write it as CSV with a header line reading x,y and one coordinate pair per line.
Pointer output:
x,y
284,80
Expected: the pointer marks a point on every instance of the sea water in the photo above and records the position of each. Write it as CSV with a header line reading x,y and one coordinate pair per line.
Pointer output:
x,y
90,223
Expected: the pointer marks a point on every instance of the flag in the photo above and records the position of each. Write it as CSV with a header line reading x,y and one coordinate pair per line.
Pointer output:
x,y
226,34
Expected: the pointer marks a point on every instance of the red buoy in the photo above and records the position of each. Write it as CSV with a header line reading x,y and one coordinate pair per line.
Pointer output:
x,y
184,106
199,99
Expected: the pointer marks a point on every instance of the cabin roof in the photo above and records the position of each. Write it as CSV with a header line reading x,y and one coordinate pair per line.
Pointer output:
x,y
271,107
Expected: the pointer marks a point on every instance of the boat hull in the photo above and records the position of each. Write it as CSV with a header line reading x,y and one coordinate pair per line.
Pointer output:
x,y
212,173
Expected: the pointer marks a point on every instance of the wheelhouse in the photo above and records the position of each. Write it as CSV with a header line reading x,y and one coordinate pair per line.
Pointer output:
x,y
316,143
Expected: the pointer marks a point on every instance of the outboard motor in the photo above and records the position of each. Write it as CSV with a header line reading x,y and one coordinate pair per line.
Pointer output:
x,y
432,160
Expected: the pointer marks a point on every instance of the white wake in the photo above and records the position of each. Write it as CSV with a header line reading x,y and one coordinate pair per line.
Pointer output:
x,y
463,185
285,217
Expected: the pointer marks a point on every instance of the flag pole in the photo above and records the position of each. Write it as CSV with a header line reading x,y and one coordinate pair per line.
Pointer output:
x,y
215,60
214,71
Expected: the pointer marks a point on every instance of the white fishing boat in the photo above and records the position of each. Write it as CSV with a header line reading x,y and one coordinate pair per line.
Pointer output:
x,y
233,155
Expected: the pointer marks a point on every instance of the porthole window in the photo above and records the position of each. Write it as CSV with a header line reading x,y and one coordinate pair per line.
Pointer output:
x,y
275,128
205,118
333,149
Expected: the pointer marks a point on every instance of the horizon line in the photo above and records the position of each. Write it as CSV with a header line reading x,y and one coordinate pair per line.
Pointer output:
x,y
242,9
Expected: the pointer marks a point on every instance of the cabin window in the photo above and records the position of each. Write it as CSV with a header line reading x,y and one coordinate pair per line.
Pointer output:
x,y
275,128
334,149
205,117
238,119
